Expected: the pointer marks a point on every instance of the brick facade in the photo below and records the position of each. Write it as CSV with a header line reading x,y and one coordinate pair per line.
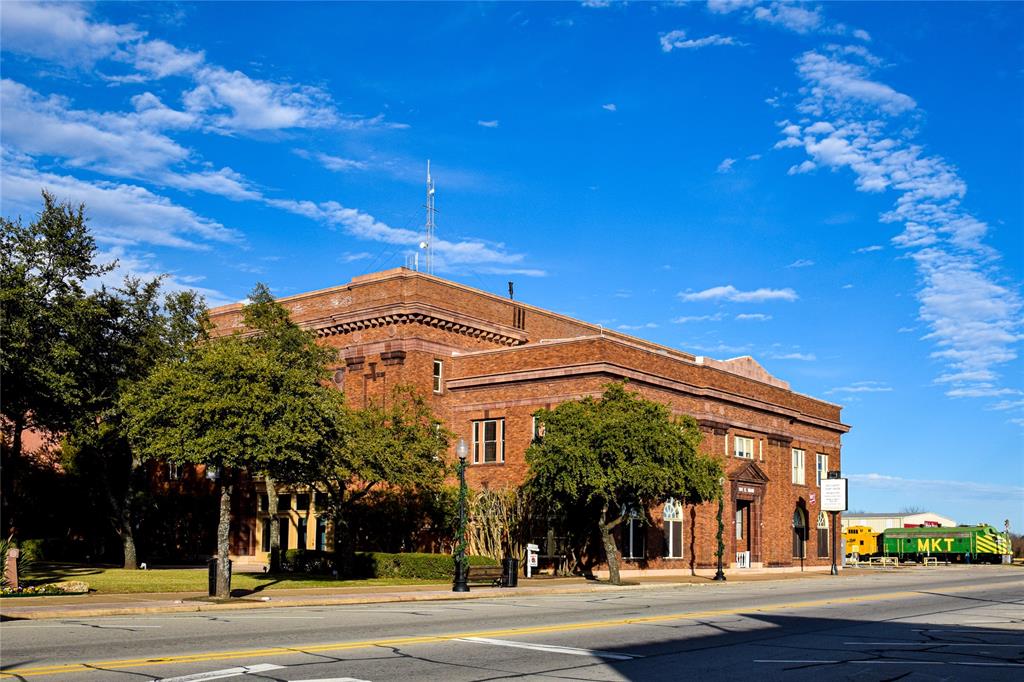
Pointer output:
x,y
503,360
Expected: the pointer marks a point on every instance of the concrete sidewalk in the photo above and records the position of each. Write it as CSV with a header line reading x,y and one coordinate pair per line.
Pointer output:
x,y
93,605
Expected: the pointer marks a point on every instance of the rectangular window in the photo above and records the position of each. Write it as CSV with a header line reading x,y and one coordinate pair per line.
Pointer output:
x,y
538,429
264,503
743,447
285,527
634,539
489,441
438,375
284,503
302,502
300,536
321,533
798,466
739,524
823,535
266,535
173,471
822,468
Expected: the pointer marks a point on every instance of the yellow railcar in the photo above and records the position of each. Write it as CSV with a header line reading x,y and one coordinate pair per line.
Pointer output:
x,y
861,540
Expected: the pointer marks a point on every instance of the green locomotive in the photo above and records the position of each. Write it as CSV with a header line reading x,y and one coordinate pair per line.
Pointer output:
x,y
961,543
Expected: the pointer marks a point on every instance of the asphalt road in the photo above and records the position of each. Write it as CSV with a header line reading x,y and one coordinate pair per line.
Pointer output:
x,y
940,623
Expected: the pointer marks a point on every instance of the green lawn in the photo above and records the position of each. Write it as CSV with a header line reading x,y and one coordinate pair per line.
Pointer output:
x,y
110,580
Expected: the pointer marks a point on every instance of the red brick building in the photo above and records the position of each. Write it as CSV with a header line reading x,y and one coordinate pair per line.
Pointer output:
x,y
489,363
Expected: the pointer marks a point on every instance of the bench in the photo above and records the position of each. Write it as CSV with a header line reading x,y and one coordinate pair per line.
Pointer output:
x,y
489,575
930,561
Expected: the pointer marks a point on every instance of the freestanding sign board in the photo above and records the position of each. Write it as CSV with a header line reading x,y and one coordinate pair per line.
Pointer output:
x,y
833,494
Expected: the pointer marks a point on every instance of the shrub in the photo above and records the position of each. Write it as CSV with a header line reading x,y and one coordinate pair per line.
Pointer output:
x,y
32,549
410,565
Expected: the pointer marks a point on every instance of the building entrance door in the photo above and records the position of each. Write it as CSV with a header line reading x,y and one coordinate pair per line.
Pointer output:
x,y
744,533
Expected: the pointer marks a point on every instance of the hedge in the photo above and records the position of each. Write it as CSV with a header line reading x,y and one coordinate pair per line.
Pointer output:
x,y
381,564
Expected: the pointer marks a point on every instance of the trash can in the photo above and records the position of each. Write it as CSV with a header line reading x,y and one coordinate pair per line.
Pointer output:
x,y
509,572
212,576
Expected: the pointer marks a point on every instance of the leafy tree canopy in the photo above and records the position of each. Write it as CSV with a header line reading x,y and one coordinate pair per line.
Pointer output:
x,y
603,457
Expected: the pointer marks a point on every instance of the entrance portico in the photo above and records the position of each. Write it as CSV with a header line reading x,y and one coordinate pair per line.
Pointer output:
x,y
747,486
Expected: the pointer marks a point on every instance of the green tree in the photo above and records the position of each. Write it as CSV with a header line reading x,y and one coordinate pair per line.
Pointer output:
x,y
44,307
400,445
134,333
284,344
602,457
230,406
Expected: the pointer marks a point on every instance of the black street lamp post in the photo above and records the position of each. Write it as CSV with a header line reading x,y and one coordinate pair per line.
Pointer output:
x,y
720,575
461,583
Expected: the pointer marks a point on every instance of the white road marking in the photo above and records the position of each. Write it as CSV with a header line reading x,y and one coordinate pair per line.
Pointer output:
x,y
550,648
334,679
1018,646
226,672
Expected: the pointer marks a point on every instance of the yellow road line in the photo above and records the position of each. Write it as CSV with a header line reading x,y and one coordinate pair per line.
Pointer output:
x,y
427,639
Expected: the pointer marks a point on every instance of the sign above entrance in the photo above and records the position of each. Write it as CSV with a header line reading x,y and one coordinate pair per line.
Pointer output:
x,y
833,494
745,489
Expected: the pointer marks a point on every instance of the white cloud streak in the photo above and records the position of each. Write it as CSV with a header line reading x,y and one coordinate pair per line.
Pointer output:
x,y
950,489
973,313
730,293
677,40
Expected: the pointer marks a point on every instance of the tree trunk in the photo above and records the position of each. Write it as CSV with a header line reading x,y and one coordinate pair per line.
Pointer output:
x,y
611,552
344,556
124,514
223,533
11,467
275,524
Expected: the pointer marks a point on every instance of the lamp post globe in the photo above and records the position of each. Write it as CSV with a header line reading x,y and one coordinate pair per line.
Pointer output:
x,y
461,583
720,574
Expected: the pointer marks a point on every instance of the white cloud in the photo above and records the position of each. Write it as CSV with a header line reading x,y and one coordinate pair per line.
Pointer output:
x,y
838,84
862,387
634,327
805,357
731,293
145,267
487,124
62,32
754,157
233,101
805,167
115,144
869,249
609,107
596,4
801,263
725,166
861,34
727,6
333,163
159,59
119,213
685,319
352,257
793,17
753,317
677,40
948,489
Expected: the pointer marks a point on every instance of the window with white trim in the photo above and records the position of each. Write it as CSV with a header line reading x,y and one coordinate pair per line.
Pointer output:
x,y
743,447
822,534
634,536
173,471
821,471
672,516
798,466
489,441
438,375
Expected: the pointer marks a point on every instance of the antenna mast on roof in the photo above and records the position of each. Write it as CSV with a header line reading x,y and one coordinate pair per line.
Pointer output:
x,y
428,245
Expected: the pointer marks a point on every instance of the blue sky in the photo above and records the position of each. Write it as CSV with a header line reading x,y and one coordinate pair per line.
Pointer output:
x,y
833,188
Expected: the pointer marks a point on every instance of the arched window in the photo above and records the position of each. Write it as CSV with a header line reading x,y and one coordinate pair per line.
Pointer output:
x,y
672,515
799,533
823,536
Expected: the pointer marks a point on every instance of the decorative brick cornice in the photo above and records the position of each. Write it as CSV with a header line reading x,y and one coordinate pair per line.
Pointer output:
x,y
421,314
